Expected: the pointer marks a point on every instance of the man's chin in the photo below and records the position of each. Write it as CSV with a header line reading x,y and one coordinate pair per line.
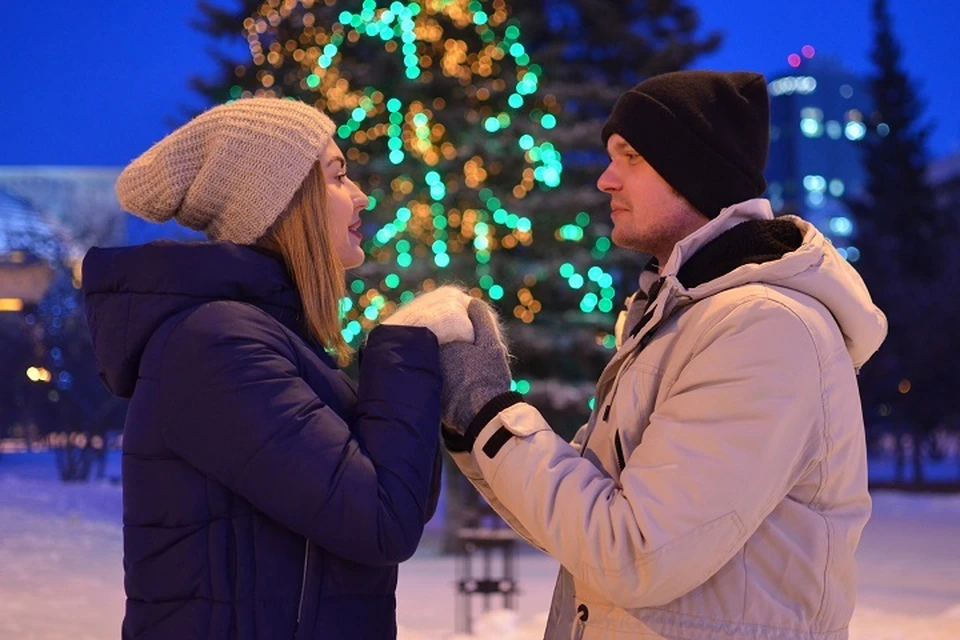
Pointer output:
x,y
621,239
630,243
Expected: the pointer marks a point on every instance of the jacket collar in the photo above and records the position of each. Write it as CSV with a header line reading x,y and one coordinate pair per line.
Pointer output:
x,y
756,209
814,269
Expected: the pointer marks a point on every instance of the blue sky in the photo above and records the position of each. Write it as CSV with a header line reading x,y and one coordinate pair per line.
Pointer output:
x,y
95,83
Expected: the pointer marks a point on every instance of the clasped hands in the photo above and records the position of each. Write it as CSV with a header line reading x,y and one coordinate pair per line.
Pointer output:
x,y
474,358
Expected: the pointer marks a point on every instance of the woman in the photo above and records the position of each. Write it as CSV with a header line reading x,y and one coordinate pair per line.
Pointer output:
x,y
265,495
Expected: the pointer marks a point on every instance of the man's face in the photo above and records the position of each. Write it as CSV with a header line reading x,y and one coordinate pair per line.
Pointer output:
x,y
647,214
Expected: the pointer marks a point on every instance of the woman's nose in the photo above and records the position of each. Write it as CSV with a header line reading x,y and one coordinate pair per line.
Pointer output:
x,y
363,200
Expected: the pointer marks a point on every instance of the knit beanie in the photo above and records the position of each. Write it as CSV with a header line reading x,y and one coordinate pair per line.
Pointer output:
x,y
231,171
705,132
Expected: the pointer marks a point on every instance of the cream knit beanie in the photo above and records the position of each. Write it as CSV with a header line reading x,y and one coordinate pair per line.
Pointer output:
x,y
229,172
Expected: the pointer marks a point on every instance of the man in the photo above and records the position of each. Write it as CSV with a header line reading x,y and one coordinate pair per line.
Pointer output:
x,y
719,489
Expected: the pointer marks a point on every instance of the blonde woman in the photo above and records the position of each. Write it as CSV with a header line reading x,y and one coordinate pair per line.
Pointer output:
x,y
266,495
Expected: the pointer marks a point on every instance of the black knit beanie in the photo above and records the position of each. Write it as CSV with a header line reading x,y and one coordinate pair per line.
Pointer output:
x,y
705,132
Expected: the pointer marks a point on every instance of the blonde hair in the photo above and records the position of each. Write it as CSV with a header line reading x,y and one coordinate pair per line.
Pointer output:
x,y
302,236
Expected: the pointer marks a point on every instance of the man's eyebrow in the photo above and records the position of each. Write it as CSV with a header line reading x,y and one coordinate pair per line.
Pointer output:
x,y
621,146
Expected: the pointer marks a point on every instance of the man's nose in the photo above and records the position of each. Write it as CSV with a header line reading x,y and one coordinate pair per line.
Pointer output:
x,y
608,181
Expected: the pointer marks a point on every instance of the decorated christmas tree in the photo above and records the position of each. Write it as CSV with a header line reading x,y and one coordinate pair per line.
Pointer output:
x,y
476,133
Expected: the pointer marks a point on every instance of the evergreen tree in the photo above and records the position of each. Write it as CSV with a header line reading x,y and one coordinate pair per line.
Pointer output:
x,y
901,201
909,260
475,128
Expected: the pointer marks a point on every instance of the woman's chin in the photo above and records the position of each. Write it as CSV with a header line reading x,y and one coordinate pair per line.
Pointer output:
x,y
354,259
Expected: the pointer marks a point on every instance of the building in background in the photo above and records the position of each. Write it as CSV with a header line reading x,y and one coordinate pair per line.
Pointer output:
x,y
818,113
81,202
48,379
78,200
29,246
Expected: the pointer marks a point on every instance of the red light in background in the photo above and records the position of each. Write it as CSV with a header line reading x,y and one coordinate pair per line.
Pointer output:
x,y
793,60
808,51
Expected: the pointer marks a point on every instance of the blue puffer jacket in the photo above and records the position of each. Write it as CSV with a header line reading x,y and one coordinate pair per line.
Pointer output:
x,y
264,494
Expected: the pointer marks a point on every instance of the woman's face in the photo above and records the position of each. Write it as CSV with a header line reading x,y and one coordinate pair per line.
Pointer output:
x,y
345,201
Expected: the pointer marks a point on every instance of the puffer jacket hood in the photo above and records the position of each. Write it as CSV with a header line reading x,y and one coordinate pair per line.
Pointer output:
x,y
130,291
813,268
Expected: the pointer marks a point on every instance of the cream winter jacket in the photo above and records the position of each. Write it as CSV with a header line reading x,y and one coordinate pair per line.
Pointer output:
x,y
719,489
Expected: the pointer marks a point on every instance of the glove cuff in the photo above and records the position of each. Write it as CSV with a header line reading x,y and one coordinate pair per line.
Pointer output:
x,y
461,443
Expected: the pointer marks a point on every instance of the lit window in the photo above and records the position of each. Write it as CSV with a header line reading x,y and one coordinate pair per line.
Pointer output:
x,y
846,91
811,112
841,226
803,85
854,115
837,188
814,183
883,129
815,199
855,130
853,254
811,128
834,130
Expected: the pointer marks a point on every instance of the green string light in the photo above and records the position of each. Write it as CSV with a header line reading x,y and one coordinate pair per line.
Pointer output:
x,y
407,136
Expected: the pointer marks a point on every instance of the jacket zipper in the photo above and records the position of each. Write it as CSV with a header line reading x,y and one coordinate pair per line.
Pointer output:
x,y
619,447
303,582
608,398
628,360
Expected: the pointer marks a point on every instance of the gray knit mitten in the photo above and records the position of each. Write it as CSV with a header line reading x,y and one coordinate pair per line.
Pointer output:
x,y
475,374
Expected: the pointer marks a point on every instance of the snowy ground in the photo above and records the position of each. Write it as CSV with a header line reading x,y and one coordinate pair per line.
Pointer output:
x,y
61,575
